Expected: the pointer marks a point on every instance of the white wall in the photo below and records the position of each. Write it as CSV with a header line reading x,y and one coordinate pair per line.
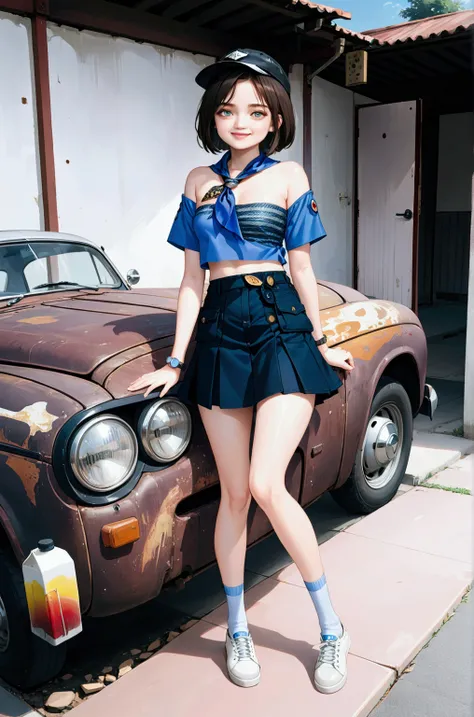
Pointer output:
x,y
20,203
295,152
124,141
455,166
333,152
360,100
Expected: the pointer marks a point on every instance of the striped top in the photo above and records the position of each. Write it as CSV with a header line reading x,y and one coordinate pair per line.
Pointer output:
x,y
259,222
263,231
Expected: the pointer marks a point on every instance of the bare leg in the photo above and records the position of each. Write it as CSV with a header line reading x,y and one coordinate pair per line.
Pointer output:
x,y
229,435
281,422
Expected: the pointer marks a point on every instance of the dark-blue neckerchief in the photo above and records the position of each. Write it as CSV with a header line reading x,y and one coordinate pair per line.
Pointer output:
x,y
224,208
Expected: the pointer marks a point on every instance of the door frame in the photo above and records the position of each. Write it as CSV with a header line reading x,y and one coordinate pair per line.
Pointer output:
x,y
416,196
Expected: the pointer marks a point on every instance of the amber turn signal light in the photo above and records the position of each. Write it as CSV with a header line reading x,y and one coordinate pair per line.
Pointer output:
x,y
123,532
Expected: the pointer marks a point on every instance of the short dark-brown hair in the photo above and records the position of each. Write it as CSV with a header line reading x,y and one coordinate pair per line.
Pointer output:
x,y
269,91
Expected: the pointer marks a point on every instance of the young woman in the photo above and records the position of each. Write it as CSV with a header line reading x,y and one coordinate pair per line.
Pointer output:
x,y
259,340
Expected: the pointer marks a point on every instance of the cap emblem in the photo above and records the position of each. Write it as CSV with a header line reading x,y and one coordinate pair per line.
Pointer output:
x,y
236,55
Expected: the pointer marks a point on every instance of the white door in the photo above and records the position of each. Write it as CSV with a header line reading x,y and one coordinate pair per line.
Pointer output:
x,y
387,216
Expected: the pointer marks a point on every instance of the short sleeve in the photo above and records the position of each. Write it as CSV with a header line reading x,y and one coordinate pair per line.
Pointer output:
x,y
182,234
303,225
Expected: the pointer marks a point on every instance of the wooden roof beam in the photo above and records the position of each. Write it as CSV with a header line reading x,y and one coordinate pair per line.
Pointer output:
x,y
122,21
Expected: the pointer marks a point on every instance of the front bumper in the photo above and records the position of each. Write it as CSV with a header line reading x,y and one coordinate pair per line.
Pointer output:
x,y
430,401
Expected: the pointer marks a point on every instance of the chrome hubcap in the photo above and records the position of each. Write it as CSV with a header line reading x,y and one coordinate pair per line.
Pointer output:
x,y
4,630
382,446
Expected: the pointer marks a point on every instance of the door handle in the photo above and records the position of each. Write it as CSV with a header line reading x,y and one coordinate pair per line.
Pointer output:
x,y
407,214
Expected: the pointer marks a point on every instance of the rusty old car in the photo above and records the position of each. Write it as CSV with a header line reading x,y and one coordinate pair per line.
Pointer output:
x,y
128,485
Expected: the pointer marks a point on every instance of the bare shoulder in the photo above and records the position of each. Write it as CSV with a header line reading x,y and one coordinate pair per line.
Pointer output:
x,y
296,180
195,179
292,169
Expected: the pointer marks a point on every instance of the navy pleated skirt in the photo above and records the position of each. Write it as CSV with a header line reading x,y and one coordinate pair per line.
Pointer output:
x,y
253,340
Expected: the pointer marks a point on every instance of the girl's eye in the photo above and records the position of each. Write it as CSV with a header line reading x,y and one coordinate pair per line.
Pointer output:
x,y
258,114
224,113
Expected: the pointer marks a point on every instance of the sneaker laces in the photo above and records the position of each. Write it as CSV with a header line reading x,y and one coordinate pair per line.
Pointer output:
x,y
328,651
243,647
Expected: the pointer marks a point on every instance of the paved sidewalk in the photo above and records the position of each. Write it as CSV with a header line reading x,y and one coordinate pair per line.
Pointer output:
x,y
393,576
11,706
395,566
440,683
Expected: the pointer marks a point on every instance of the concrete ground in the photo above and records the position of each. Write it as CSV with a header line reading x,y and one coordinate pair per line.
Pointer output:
x,y
440,684
394,576
445,328
444,317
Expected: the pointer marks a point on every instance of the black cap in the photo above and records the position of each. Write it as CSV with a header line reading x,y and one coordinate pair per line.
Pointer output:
x,y
45,545
255,60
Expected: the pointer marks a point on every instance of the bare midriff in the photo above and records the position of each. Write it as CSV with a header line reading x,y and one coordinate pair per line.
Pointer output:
x,y
220,269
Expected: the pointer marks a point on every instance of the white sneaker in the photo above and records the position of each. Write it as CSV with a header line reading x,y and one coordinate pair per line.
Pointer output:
x,y
242,663
330,672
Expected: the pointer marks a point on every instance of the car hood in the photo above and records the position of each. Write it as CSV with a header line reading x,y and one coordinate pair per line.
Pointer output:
x,y
74,332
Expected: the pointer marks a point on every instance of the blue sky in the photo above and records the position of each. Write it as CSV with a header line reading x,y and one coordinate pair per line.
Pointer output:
x,y
368,14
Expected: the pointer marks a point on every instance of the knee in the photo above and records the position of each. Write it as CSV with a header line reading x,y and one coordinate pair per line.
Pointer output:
x,y
237,501
264,491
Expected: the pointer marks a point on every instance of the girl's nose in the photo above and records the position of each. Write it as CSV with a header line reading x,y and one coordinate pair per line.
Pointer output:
x,y
241,121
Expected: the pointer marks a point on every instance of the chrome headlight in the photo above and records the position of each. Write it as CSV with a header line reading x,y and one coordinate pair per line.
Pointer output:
x,y
104,453
165,429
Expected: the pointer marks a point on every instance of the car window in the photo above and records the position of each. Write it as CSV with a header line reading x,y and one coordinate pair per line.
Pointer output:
x,y
80,267
24,266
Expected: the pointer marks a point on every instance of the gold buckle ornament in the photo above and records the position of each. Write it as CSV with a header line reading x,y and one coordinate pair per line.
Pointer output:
x,y
252,280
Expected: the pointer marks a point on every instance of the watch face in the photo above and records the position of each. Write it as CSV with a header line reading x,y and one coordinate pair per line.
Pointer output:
x,y
174,363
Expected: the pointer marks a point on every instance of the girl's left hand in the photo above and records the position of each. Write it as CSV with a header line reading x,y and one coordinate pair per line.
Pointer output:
x,y
340,358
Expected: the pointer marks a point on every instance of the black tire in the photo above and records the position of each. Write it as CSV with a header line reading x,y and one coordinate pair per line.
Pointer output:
x,y
357,495
26,660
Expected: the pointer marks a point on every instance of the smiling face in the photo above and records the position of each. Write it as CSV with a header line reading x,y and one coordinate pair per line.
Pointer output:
x,y
241,110
244,119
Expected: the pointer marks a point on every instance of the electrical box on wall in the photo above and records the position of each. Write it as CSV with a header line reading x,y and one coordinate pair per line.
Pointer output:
x,y
356,68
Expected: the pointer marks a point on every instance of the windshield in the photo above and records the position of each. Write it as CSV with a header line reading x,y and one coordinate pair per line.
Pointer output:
x,y
30,267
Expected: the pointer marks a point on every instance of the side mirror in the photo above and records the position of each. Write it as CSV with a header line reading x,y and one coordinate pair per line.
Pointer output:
x,y
133,277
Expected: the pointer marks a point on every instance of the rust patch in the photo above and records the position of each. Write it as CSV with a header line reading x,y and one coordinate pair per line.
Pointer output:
x,y
359,317
367,346
38,320
35,416
162,528
4,439
28,473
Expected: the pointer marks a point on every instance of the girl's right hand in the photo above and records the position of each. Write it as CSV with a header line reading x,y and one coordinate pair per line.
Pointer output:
x,y
166,376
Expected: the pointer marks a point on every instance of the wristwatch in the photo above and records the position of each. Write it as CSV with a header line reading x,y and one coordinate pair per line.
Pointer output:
x,y
322,340
174,362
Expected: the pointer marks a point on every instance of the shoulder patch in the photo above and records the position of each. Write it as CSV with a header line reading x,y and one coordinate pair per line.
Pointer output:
x,y
314,206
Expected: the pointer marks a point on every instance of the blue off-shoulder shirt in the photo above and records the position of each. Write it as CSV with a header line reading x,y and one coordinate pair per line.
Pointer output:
x,y
267,231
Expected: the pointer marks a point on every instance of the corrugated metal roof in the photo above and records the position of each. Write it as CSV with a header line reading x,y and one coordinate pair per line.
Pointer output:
x,y
428,28
325,10
339,30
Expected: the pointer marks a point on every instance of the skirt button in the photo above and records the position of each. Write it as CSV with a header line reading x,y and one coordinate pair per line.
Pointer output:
x,y
271,318
270,280
203,320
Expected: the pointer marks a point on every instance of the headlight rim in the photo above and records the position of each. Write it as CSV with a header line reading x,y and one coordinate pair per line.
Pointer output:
x,y
75,442
147,412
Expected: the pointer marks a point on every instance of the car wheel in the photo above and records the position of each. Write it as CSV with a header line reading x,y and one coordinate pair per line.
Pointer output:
x,y
381,462
25,659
